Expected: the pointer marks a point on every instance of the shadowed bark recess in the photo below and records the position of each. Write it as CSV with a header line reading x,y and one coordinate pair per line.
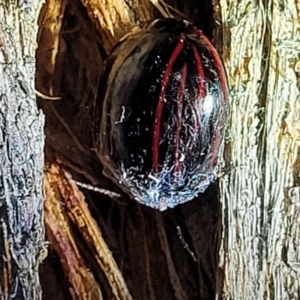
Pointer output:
x,y
170,255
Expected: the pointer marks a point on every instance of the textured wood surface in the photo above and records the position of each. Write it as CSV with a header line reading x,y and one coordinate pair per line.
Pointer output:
x,y
261,195
22,244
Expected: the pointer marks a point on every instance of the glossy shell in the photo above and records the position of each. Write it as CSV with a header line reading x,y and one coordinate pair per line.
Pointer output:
x,y
161,113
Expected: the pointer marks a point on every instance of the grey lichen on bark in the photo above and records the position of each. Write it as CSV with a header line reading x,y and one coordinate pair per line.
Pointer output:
x,y
21,154
261,198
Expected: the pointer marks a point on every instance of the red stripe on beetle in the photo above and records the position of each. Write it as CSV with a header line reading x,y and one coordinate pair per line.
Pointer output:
x,y
180,97
161,103
200,71
222,77
218,63
201,84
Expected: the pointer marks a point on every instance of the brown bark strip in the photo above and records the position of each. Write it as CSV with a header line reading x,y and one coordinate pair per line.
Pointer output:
x,y
50,43
116,17
83,284
77,211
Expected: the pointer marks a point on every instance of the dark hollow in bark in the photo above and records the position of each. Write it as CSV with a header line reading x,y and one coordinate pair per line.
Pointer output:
x,y
169,255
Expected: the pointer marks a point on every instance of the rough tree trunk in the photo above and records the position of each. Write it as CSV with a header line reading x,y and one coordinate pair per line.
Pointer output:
x,y
261,196
170,255
21,154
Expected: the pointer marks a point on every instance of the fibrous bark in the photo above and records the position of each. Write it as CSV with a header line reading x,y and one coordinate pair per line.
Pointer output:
x,y
21,154
261,195
65,204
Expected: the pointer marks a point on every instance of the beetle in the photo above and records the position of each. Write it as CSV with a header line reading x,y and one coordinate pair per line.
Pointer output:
x,y
161,113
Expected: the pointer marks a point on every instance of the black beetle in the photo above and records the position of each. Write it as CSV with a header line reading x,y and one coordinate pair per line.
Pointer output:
x,y
161,113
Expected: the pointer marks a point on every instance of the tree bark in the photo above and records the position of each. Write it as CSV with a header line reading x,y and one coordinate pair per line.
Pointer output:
x,y
22,246
261,196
